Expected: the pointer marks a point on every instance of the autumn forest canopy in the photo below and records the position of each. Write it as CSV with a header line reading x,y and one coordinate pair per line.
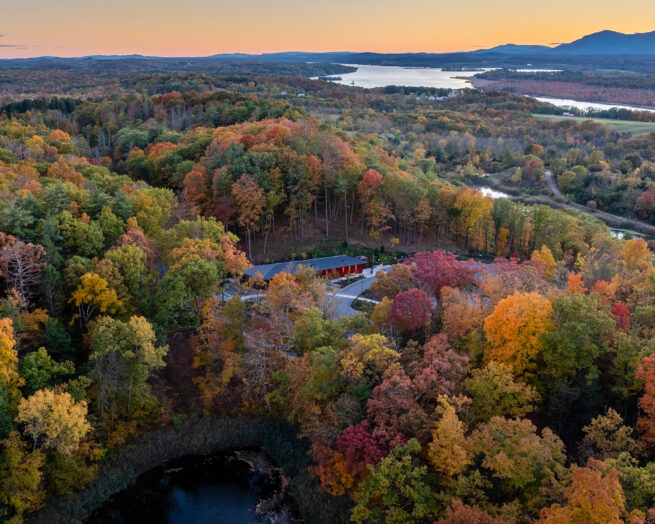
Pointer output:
x,y
500,369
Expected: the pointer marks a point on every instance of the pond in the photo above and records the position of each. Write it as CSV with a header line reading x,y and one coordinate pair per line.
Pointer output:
x,y
240,486
487,191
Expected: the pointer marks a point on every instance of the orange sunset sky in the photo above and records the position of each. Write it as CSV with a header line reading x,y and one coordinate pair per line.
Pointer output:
x,y
204,27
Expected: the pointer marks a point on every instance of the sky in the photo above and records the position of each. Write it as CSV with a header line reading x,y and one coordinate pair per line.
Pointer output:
x,y
205,27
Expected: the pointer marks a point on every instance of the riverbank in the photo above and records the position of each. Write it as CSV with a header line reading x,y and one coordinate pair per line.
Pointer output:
x,y
572,94
203,436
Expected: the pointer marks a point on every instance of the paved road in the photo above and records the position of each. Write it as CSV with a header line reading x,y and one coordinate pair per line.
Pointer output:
x,y
612,220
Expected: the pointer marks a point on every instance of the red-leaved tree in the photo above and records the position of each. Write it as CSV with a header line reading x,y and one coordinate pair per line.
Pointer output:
x,y
411,311
440,268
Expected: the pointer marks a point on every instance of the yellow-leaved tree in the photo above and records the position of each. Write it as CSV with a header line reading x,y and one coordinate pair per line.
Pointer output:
x,y
92,296
10,380
53,420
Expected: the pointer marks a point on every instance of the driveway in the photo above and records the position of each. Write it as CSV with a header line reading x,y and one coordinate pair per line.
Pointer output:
x,y
343,300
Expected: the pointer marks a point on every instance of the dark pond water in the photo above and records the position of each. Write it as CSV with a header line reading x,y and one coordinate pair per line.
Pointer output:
x,y
236,487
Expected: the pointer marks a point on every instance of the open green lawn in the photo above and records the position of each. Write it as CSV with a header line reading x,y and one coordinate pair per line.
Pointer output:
x,y
622,126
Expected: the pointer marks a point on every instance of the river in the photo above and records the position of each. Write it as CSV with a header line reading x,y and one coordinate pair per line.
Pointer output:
x,y
239,486
585,106
370,76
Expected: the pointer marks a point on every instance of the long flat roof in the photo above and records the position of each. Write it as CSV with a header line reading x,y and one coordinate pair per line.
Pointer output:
x,y
268,271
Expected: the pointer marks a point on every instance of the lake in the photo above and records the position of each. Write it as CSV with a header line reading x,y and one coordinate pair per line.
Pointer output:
x,y
227,487
371,76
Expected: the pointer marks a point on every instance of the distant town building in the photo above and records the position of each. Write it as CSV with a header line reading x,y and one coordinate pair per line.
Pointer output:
x,y
340,265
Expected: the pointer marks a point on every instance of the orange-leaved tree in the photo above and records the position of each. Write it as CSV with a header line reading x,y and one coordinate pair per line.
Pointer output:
x,y
514,330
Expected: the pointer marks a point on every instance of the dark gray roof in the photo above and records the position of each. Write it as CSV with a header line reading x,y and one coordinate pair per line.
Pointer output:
x,y
268,271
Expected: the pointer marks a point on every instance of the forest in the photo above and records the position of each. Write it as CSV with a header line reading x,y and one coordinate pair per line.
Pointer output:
x,y
502,374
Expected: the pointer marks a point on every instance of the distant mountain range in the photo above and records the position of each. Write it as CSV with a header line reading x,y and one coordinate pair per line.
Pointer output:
x,y
603,43
635,51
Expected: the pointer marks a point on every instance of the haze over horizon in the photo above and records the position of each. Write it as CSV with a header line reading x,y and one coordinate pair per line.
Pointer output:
x,y
203,27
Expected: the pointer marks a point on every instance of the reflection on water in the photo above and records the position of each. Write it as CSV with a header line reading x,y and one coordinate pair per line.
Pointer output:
x,y
217,489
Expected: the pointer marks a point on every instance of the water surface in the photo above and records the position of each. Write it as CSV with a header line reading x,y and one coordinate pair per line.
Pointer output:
x,y
487,191
370,76
585,106
222,488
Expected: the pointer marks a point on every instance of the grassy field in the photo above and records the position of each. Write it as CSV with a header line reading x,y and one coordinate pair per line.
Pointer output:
x,y
622,126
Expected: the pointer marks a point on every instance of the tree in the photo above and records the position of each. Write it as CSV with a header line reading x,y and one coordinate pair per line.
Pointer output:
x,y
606,437
361,448
398,278
366,188
54,420
131,262
21,479
621,315
153,208
594,496
314,330
411,311
438,370
63,171
462,313
646,372
94,296
110,225
495,392
447,452
10,379
459,513
514,330
635,252
516,456
575,284
251,199
83,238
396,491
21,266
123,357
39,370
578,336
439,269
369,356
